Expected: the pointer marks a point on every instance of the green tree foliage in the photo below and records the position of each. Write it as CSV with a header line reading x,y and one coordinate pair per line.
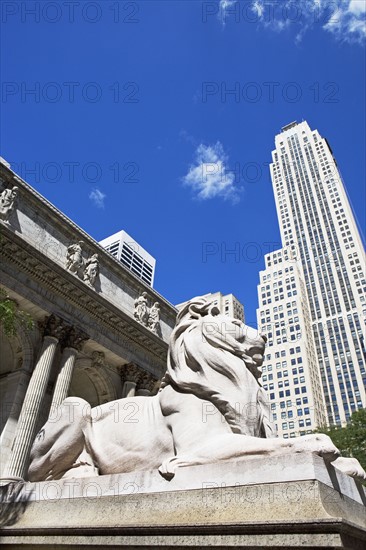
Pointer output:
x,y
11,316
351,440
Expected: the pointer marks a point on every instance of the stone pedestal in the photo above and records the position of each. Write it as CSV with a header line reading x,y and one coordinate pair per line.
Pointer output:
x,y
288,502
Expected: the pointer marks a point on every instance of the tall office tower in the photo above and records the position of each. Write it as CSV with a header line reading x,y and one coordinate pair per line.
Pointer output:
x,y
228,305
290,372
131,255
318,227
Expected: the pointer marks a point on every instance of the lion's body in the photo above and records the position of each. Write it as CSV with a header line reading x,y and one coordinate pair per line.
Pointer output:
x,y
131,434
135,433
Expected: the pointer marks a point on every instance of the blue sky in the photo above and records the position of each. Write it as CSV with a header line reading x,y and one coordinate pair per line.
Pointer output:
x,y
130,99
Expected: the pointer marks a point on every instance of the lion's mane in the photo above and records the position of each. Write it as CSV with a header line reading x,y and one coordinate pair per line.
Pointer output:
x,y
209,356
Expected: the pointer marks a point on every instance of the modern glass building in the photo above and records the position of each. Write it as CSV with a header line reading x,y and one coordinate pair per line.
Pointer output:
x,y
131,255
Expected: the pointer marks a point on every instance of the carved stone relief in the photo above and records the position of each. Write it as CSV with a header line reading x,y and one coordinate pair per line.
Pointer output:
x,y
98,359
154,319
7,202
91,271
74,259
87,270
149,317
141,312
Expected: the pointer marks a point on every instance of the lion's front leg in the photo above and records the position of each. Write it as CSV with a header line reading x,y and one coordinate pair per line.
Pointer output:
x,y
202,436
233,446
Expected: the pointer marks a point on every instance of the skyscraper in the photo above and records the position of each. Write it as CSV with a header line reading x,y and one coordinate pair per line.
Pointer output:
x,y
319,230
131,255
290,372
228,305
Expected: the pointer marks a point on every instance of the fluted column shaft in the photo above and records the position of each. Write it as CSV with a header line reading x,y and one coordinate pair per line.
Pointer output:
x,y
64,377
17,382
31,408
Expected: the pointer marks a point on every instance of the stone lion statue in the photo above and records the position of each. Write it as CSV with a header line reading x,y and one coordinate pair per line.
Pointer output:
x,y
210,408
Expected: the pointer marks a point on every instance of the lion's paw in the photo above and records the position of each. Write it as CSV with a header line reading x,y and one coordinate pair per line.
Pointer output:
x,y
350,466
167,469
320,444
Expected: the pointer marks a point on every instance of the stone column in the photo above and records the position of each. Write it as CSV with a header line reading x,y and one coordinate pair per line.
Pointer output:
x,y
17,382
131,375
72,342
25,432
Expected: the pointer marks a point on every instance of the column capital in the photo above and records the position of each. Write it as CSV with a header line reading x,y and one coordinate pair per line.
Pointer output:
x,y
52,326
130,373
147,382
73,338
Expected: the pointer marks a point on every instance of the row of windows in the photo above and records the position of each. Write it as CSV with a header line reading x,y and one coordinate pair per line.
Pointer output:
x,y
292,434
131,254
282,353
290,425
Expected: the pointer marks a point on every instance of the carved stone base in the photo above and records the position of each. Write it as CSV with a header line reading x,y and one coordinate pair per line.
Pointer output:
x,y
292,502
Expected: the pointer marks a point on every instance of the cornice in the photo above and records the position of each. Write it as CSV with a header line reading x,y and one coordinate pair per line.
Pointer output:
x,y
61,282
75,233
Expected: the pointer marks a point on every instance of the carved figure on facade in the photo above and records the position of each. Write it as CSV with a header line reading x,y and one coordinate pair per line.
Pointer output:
x,y
210,408
74,259
141,311
154,319
98,358
7,202
91,270
149,317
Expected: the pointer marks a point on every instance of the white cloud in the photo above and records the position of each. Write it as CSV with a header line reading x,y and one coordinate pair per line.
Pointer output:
x,y
348,22
345,19
357,7
208,176
224,7
258,8
97,197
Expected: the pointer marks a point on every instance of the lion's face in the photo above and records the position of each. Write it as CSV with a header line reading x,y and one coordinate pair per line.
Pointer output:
x,y
200,326
255,343
217,358
224,328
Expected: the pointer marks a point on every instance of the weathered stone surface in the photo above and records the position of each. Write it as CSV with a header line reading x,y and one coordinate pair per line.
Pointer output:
x,y
7,202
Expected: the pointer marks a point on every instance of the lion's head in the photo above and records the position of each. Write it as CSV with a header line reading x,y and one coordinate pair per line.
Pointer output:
x,y
216,358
